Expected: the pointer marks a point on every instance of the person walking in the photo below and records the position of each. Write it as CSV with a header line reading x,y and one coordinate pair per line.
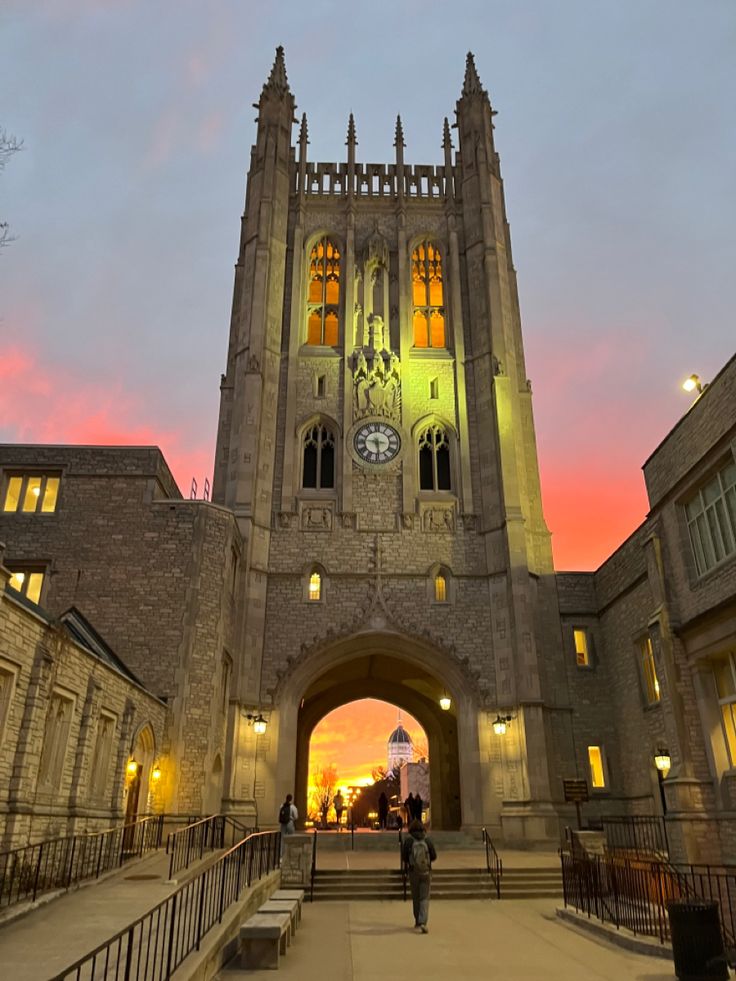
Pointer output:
x,y
409,808
339,805
382,811
288,816
418,853
418,806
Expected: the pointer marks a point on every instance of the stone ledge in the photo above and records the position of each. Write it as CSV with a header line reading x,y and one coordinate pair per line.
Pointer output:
x,y
648,946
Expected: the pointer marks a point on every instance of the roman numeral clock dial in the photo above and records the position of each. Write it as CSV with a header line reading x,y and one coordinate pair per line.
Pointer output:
x,y
376,443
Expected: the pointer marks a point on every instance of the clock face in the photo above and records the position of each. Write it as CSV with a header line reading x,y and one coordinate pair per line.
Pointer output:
x,y
377,442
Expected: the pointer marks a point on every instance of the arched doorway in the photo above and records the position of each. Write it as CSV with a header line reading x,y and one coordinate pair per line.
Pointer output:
x,y
366,749
138,774
409,673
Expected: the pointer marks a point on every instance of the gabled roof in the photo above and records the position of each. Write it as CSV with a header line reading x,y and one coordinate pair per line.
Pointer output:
x,y
82,631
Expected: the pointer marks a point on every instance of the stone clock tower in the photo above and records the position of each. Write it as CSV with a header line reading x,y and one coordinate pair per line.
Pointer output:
x,y
376,444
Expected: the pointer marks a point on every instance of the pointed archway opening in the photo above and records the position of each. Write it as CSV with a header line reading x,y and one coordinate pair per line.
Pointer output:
x,y
406,684
366,758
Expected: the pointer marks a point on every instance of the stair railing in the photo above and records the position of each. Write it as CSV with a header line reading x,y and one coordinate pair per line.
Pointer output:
x,y
189,844
494,865
58,863
314,866
402,863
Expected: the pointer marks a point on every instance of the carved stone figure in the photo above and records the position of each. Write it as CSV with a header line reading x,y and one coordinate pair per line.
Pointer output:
x,y
376,378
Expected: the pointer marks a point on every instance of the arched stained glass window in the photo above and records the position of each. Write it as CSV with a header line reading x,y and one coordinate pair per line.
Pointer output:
x,y
318,469
315,587
434,460
323,300
428,296
440,588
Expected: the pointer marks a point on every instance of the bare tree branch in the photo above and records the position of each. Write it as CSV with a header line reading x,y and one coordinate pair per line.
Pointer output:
x,y
9,145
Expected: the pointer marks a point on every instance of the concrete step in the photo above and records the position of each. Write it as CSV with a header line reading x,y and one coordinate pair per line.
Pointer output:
x,y
344,885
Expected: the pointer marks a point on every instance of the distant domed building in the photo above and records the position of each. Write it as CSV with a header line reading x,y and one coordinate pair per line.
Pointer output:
x,y
399,747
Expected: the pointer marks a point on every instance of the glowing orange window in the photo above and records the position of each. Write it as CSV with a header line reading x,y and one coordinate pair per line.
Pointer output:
x,y
428,296
323,295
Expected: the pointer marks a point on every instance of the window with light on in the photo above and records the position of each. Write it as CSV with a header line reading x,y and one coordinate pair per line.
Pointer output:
x,y
315,587
31,493
597,772
582,649
28,584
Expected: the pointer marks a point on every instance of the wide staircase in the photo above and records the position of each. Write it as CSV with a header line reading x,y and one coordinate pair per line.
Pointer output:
x,y
384,884
468,868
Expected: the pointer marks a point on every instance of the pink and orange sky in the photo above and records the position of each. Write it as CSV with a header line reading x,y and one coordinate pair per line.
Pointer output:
x,y
617,136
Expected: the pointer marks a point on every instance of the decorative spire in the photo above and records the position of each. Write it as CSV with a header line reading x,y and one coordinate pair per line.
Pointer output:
x,y
277,83
472,85
303,131
446,138
399,140
351,140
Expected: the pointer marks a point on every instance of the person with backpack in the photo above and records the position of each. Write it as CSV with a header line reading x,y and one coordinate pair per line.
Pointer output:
x,y
288,815
418,853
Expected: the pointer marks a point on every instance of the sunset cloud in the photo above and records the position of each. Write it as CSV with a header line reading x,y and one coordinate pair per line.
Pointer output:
x,y
41,403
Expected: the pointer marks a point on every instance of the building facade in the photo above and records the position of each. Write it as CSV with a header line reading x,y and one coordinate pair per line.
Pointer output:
x,y
376,528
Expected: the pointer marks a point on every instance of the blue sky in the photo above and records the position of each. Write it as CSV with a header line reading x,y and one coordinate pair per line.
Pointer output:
x,y
617,136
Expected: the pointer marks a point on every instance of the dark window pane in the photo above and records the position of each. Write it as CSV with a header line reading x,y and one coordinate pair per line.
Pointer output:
x,y
327,468
443,468
426,475
310,466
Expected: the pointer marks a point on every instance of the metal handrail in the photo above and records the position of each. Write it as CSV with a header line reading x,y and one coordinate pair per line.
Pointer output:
x,y
314,866
58,863
643,835
402,863
152,947
189,844
494,865
634,893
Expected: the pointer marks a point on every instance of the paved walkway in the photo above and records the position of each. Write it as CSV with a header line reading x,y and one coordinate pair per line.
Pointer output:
x,y
353,941
38,945
516,940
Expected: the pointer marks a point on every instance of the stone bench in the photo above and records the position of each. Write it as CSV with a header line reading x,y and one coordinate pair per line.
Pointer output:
x,y
263,938
290,906
297,894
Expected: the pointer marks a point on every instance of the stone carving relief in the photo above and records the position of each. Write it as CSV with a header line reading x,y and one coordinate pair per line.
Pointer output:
x,y
407,520
376,376
317,517
439,519
286,519
348,519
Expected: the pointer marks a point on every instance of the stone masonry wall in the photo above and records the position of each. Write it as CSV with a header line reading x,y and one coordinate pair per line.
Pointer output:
x,y
43,658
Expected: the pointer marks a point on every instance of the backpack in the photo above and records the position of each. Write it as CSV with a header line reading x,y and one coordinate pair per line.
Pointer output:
x,y
285,813
419,860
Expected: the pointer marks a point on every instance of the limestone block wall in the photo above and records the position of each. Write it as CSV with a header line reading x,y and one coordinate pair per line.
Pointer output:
x,y
40,658
155,574
348,559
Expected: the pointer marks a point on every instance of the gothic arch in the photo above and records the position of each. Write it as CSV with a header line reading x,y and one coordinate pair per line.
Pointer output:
x,y
138,785
302,428
405,671
337,242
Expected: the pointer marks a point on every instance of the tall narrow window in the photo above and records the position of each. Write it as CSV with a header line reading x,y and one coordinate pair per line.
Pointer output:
x,y
8,676
101,757
725,672
315,587
597,769
434,460
318,470
323,301
582,648
427,294
434,389
440,588
56,736
711,519
649,671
